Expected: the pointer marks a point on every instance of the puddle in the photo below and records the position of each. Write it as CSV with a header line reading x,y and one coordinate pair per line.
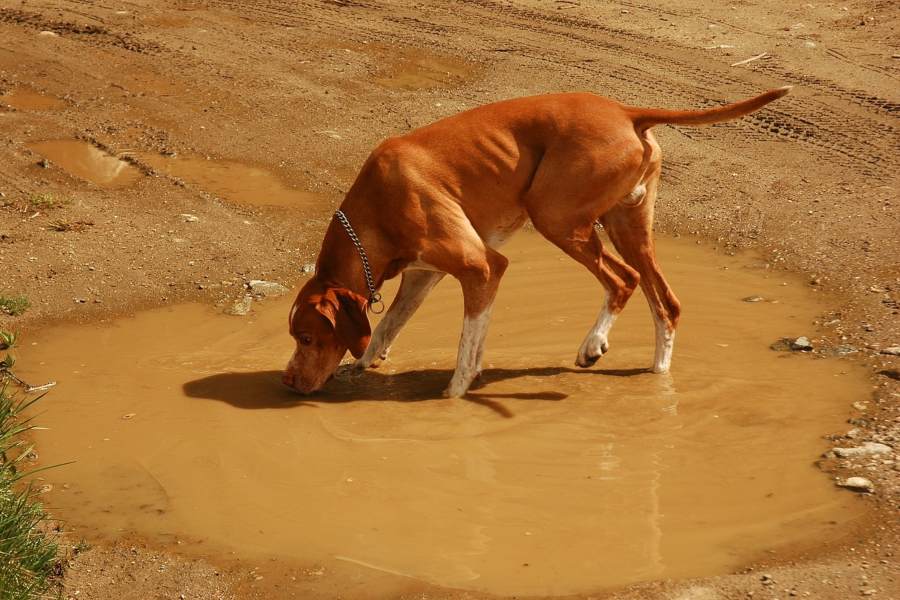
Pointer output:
x,y
414,69
234,181
23,98
548,480
85,161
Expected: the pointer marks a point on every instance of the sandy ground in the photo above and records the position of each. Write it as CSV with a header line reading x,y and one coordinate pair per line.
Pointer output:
x,y
306,89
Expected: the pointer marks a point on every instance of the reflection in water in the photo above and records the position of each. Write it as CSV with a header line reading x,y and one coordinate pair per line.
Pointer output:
x,y
234,181
86,161
547,479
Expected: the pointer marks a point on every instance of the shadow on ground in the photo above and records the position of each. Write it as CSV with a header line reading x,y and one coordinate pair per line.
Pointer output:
x,y
263,389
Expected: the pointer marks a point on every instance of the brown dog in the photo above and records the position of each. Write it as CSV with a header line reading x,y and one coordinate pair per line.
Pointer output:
x,y
443,199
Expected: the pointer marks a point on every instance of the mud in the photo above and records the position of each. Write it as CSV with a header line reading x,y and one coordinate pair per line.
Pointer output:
x,y
547,480
85,161
234,181
23,98
414,69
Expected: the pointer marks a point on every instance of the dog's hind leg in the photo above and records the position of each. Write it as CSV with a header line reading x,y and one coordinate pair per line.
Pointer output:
x,y
414,287
618,279
630,229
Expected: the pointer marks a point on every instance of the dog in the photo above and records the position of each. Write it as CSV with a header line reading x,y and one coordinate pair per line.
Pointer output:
x,y
445,197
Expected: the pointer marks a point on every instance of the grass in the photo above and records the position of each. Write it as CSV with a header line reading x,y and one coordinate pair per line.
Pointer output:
x,y
13,305
28,554
46,201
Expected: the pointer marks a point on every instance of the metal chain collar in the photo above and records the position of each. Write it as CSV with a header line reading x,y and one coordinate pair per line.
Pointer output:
x,y
374,296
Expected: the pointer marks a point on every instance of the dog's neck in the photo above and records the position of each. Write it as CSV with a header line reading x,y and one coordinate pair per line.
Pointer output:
x,y
340,264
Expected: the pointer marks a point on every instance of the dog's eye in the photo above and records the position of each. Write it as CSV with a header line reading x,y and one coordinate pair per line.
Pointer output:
x,y
305,339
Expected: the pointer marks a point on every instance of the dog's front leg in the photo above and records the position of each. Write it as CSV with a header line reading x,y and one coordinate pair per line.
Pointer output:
x,y
414,287
471,345
479,290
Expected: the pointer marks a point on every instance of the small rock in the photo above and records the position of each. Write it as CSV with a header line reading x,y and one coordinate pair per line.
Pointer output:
x,y
240,307
801,344
877,289
753,299
189,218
48,34
308,268
266,288
857,484
867,449
844,350
44,163
129,416
809,44
782,345
892,350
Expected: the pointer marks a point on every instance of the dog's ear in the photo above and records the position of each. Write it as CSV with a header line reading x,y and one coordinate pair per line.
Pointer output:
x,y
346,311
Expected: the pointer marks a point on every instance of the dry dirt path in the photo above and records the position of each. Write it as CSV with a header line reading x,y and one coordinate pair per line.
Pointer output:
x,y
303,90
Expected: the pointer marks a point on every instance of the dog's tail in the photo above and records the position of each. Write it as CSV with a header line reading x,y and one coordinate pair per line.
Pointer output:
x,y
645,118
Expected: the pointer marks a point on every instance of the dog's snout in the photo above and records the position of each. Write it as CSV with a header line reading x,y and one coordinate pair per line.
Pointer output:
x,y
287,378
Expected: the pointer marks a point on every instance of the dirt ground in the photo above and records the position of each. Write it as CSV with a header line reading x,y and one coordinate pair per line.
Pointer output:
x,y
306,89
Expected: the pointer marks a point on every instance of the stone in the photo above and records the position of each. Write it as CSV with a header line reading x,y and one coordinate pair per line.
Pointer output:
x,y
782,345
240,307
266,288
892,351
189,218
753,299
857,484
867,449
308,268
48,34
801,344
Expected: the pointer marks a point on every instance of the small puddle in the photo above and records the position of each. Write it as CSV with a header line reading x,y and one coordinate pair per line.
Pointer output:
x,y
23,98
85,161
414,69
234,181
548,480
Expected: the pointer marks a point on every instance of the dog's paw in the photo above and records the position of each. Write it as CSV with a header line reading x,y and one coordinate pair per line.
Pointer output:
x,y
587,358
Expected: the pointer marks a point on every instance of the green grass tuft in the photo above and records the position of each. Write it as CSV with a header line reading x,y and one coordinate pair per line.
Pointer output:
x,y
28,553
46,201
13,305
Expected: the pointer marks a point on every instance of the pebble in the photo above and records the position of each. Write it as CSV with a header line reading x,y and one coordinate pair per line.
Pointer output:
x,y
892,350
857,484
266,288
867,449
240,307
48,34
802,344
753,299
308,268
189,218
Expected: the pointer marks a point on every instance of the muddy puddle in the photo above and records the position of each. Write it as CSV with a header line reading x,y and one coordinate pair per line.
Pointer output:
x,y
86,161
234,181
414,69
23,98
548,480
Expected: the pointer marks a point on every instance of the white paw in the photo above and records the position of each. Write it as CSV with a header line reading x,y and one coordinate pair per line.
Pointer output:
x,y
591,351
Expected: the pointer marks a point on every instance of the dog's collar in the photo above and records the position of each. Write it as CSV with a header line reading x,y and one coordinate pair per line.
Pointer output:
x,y
374,296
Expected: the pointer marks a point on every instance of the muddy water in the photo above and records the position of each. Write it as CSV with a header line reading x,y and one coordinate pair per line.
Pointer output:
x,y
234,181
547,480
23,98
415,70
86,161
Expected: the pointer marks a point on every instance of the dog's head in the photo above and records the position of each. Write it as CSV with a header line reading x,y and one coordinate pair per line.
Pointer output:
x,y
325,321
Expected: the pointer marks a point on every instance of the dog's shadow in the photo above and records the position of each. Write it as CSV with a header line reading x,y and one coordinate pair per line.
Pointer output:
x,y
263,389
